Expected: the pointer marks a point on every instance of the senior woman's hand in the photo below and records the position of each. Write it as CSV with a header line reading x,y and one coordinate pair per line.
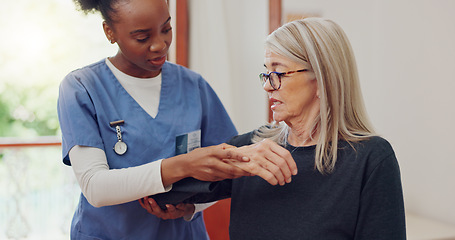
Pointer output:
x,y
268,160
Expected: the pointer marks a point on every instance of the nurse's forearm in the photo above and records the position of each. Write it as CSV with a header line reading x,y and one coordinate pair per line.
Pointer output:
x,y
174,169
104,187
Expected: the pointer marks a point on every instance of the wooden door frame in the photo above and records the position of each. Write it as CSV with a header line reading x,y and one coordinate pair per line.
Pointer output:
x,y
182,32
275,21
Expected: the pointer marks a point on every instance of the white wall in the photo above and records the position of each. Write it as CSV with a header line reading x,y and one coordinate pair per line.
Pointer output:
x,y
226,47
405,51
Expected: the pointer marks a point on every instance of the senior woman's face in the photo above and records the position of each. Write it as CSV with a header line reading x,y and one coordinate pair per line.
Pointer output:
x,y
296,101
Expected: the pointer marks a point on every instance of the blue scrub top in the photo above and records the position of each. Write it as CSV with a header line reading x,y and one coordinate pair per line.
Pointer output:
x,y
90,98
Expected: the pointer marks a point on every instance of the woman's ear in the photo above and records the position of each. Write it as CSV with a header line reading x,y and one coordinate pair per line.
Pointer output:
x,y
109,32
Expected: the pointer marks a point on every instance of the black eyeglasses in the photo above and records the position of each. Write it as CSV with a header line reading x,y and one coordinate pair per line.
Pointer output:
x,y
275,78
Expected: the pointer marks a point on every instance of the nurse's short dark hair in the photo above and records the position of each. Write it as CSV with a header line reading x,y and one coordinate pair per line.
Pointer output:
x,y
105,7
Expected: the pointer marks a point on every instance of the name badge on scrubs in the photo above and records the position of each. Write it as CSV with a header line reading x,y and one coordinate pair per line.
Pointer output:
x,y
187,142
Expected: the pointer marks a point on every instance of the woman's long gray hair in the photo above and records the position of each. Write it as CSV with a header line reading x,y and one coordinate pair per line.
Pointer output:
x,y
342,116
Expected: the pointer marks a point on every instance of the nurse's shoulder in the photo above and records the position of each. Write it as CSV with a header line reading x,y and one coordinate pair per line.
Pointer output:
x,y
88,76
183,73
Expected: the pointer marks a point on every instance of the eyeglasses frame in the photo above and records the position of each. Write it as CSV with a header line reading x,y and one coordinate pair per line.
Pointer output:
x,y
279,75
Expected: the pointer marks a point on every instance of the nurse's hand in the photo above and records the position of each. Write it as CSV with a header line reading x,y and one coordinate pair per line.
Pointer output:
x,y
204,164
172,212
207,165
268,160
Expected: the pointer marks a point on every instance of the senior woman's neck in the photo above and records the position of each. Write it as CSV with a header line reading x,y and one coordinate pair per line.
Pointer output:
x,y
299,137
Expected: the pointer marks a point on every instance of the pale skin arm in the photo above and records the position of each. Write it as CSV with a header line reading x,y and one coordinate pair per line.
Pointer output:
x,y
265,159
268,160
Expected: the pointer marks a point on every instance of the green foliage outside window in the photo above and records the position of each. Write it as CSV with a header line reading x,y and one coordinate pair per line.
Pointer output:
x,y
41,42
28,111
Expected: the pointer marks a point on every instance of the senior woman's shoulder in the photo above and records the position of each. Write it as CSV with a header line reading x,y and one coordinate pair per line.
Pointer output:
x,y
241,140
247,138
377,143
373,148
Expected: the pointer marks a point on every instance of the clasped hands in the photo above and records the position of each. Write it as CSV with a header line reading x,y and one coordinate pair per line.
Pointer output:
x,y
265,159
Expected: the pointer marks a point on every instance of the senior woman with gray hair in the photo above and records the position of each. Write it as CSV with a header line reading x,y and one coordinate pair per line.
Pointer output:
x,y
348,184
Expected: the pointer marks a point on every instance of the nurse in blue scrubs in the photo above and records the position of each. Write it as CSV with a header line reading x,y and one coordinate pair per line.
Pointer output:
x,y
130,122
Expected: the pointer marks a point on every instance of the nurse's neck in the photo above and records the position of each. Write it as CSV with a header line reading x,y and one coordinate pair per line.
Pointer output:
x,y
132,69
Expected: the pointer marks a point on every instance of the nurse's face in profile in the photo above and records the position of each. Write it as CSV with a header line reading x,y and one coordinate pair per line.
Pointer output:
x,y
143,32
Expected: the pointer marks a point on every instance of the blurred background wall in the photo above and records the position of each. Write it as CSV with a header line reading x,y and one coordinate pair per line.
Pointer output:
x,y
226,47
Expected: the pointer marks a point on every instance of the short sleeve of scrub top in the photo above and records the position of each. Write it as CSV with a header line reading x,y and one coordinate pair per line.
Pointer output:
x,y
77,116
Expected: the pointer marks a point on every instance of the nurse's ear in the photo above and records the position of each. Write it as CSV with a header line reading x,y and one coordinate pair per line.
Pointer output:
x,y
109,32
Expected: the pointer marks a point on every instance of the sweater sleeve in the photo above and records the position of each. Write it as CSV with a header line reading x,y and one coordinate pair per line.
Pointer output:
x,y
191,190
381,214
